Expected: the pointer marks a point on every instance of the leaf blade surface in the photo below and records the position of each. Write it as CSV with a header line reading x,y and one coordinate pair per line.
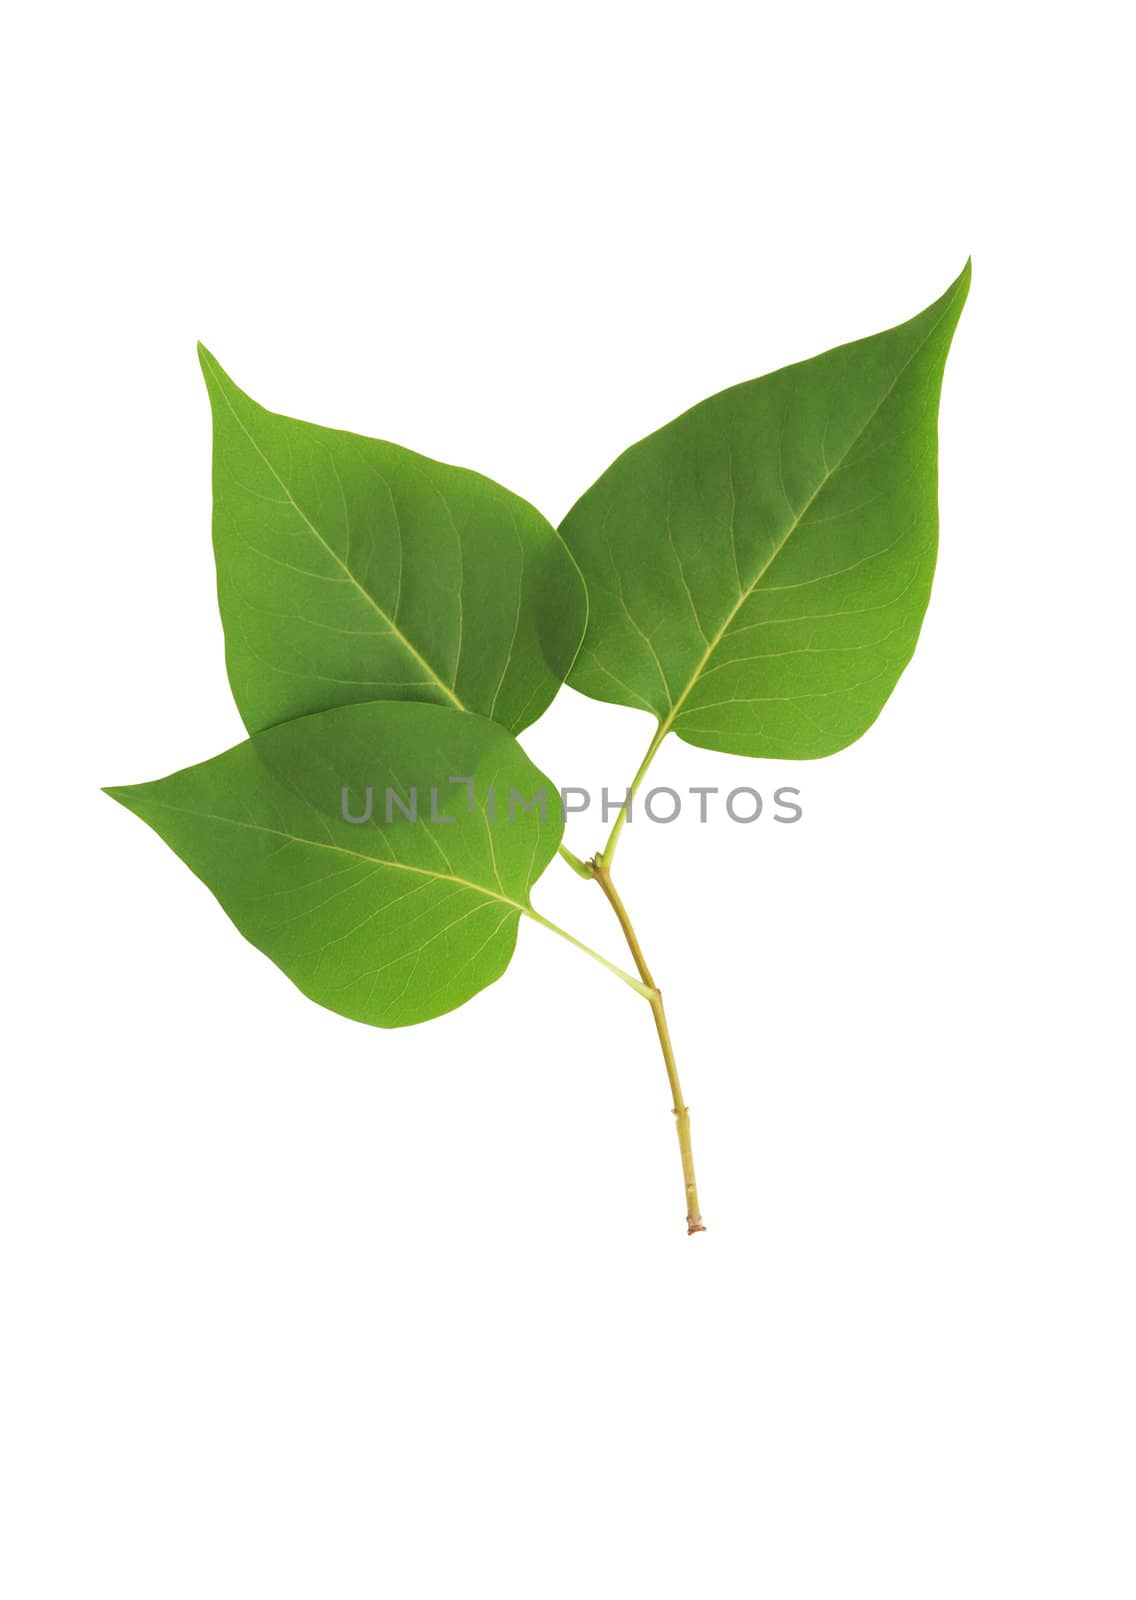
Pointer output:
x,y
389,922
350,569
758,569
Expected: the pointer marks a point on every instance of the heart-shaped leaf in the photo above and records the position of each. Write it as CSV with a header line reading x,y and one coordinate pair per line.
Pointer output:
x,y
350,570
387,920
758,569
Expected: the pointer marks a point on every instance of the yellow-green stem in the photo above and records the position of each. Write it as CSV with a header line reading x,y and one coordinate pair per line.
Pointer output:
x,y
694,1222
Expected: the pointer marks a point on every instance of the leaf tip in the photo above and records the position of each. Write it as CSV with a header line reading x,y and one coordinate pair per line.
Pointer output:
x,y
948,307
217,380
212,371
123,793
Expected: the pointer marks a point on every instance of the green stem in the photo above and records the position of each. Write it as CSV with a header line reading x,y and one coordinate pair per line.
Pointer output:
x,y
600,866
562,933
652,750
584,868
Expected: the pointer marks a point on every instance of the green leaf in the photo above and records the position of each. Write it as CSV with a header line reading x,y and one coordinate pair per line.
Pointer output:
x,y
759,568
352,570
386,921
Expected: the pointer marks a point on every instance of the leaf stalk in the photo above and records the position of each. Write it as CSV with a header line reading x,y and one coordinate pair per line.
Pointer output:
x,y
582,868
608,853
570,938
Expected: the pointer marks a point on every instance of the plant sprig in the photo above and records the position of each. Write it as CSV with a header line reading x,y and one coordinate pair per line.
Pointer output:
x,y
754,575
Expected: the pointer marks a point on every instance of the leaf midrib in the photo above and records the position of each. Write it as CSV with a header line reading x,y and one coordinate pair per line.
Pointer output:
x,y
332,552
338,849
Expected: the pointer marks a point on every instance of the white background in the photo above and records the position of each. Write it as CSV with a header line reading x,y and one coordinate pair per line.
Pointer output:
x,y
296,1308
